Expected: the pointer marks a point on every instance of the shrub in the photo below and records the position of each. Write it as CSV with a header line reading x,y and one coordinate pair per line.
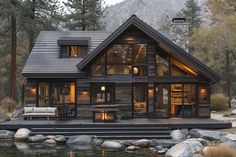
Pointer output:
x,y
220,151
7,105
219,101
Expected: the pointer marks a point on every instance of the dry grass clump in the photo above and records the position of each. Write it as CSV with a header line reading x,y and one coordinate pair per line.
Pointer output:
x,y
220,151
219,102
7,105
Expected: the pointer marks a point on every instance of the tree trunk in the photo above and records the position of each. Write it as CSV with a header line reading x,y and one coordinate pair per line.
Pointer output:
x,y
13,58
83,16
227,76
31,32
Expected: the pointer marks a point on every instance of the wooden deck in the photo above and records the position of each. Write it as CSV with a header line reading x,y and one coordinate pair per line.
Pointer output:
x,y
172,123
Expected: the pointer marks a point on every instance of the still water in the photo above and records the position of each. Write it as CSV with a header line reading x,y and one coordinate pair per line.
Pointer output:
x,y
19,149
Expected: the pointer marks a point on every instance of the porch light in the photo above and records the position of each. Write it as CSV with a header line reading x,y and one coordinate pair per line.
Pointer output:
x,y
135,70
33,90
103,88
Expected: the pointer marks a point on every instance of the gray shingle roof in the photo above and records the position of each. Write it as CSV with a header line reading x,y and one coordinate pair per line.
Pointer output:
x,y
44,57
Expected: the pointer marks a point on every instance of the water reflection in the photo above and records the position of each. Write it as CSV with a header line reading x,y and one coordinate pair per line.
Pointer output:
x,y
20,149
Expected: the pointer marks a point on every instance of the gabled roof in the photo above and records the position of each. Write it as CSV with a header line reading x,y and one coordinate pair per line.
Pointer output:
x,y
176,51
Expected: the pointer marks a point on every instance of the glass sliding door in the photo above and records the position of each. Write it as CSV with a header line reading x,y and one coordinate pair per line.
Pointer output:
x,y
139,100
162,107
43,94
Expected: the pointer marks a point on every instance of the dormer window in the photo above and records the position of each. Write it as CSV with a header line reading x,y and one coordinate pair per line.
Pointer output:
x,y
73,51
73,47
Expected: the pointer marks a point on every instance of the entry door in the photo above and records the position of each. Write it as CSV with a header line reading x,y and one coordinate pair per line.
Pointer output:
x,y
140,100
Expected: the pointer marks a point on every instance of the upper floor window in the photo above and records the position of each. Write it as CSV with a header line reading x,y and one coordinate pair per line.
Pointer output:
x,y
140,53
162,64
73,51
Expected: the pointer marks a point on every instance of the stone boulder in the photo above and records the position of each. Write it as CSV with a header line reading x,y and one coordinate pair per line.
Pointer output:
x,y
197,155
60,139
131,148
162,151
127,142
231,137
163,143
4,117
50,137
179,150
179,135
206,134
18,114
80,140
194,145
50,141
97,142
143,143
6,134
229,143
37,139
201,140
22,134
113,145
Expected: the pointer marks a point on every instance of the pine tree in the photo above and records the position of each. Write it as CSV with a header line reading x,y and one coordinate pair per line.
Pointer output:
x,y
192,13
84,14
39,15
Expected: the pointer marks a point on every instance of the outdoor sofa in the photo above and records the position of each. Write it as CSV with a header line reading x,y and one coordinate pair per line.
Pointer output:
x,y
40,112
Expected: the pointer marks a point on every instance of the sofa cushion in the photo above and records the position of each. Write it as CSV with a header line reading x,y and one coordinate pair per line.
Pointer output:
x,y
28,109
40,109
52,109
39,114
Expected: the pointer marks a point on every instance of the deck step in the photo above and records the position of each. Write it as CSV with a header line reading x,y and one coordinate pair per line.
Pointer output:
x,y
108,131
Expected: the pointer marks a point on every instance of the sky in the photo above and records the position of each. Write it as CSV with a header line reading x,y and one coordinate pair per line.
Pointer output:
x,y
112,2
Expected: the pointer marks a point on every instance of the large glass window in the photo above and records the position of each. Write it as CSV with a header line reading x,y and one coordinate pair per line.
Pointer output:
x,y
140,100
162,100
98,68
30,94
162,64
140,53
179,69
119,59
63,93
119,54
183,100
102,93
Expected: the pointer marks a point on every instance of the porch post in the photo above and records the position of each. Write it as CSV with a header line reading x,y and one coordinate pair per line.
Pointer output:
x,y
76,104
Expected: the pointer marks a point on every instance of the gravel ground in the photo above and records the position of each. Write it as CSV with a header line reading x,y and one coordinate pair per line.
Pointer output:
x,y
232,119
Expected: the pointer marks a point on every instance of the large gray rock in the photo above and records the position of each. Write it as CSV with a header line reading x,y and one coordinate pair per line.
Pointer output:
x,y
37,138
97,142
201,140
229,143
6,134
4,117
231,137
197,155
179,150
206,134
163,143
80,140
179,135
60,139
143,143
22,134
50,141
113,145
194,145
18,114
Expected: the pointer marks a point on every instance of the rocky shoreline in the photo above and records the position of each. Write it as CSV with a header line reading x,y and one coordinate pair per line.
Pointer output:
x,y
183,143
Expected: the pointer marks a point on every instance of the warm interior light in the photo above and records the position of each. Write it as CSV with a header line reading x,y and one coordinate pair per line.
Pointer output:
x,y
72,93
135,70
33,90
203,91
150,92
85,93
103,88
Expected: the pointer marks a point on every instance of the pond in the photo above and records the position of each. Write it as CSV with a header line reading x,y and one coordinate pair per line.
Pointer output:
x,y
20,149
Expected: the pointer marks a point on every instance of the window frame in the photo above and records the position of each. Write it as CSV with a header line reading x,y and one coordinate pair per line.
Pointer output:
x,y
81,54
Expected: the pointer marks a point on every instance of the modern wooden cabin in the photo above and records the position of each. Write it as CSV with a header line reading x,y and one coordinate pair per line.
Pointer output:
x,y
132,72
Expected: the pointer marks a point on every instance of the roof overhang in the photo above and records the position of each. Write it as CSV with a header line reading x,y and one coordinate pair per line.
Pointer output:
x,y
74,41
54,75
